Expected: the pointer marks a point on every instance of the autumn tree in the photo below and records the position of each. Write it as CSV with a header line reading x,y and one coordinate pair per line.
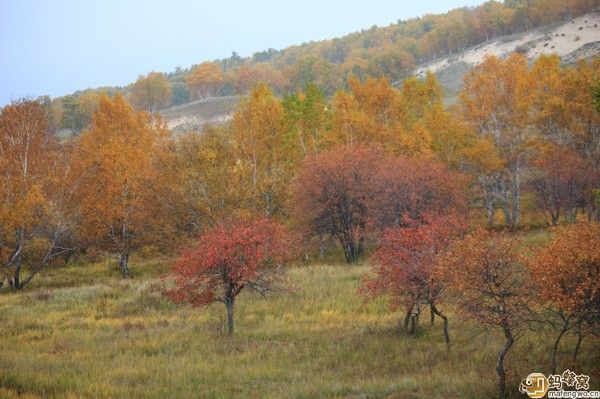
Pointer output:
x,y
263,164
245,77
404,262
496,100
415,188
119,202
202,165
332,195
487,278
205,80
347,193
402,122
151,92
562,182
369,113
229,258
566,273
306,118
596,94
35,190
314,70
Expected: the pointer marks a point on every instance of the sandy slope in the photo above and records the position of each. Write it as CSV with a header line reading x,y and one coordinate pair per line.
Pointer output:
x,y
563,40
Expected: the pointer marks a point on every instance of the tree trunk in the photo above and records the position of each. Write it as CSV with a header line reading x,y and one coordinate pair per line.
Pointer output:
x,y
489,206
15,281
435,310
578,344
229,302
516,195
124,264
407,317
555,346
431,315
571,215
500,363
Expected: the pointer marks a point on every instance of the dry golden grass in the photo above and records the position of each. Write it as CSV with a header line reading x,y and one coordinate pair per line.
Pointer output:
x,y
82,332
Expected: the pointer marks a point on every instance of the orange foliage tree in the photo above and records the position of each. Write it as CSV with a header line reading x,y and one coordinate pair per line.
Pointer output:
x,y
202,167
205,80
121,198
567,276
488,281
228,258
246,77
562,181
497,101
35,189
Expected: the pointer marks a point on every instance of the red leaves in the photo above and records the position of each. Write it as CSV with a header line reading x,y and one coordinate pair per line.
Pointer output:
x,y
227,258
405,258
348,192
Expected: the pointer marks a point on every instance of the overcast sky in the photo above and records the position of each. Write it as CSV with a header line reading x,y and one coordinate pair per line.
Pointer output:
x,y
56,47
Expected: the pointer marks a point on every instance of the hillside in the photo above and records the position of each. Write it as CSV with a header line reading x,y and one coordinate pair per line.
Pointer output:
x,y
194,115
449,43
573,40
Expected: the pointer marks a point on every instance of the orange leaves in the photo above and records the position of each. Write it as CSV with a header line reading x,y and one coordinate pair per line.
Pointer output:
x,y
117,158
567,270
246,77
26,159
34,191
205,80
487,277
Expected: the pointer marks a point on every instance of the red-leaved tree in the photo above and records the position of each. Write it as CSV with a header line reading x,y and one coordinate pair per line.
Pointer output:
x,y
332,194
347,193
416,188
404,262
228,258
562,182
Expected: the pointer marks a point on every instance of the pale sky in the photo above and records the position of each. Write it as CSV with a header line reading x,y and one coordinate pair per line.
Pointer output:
x,y
55,47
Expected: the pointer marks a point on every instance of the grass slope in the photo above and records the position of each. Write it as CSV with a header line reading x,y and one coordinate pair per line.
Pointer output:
x,y
85,332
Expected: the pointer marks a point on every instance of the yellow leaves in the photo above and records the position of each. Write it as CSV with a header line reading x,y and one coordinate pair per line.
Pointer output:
x,y
151,92
484,156
260,147
417,142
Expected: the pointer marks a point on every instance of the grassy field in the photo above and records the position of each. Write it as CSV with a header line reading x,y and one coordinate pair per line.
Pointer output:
x,y
82,331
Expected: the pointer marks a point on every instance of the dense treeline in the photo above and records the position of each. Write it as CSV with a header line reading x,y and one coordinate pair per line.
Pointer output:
x,y
391,52
521,147
373,170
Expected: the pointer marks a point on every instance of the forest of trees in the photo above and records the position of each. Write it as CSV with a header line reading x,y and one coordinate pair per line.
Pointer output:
x,y
390,52
429,194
